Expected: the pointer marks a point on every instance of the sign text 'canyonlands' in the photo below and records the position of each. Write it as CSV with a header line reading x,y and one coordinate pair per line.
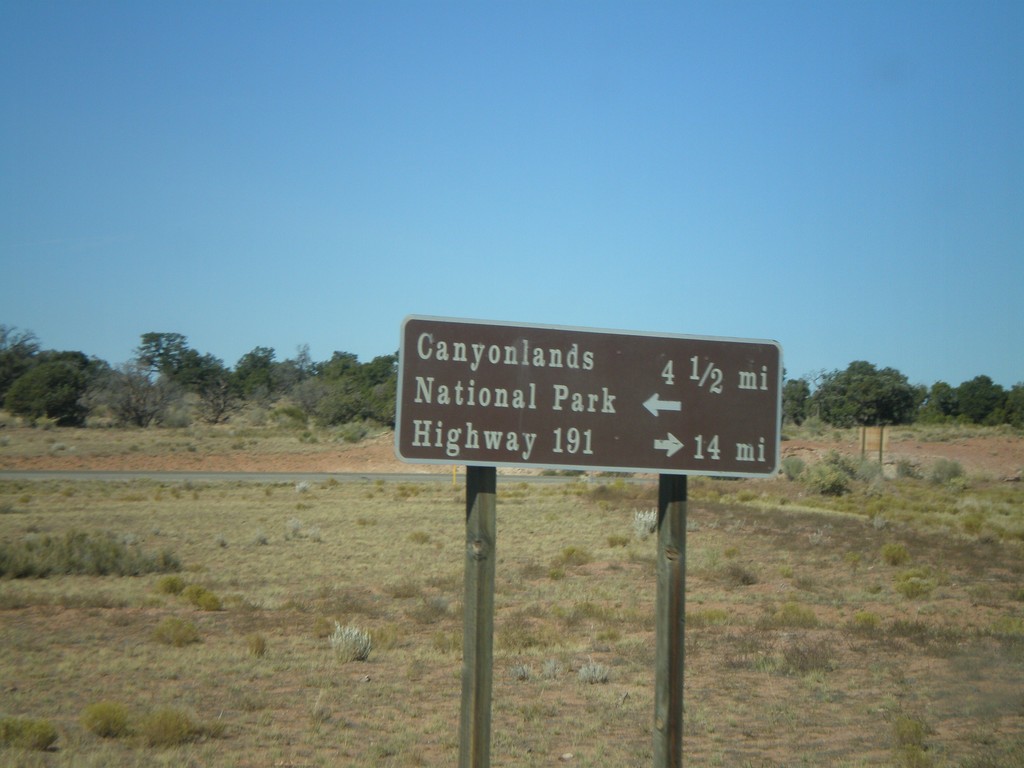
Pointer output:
x,y
504,394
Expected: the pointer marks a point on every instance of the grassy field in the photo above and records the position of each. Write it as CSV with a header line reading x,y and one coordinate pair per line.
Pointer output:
x,y
881,627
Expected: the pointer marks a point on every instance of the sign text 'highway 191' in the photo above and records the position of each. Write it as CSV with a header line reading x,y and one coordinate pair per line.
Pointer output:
x,y
504,394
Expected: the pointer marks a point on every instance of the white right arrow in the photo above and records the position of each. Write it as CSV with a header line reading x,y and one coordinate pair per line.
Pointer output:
x,y
671,445
655,404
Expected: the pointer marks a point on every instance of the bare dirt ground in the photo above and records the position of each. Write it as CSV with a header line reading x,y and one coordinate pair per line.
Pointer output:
x,y
995,455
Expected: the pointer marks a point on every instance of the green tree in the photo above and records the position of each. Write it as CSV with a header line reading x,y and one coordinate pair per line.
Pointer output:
x,y
341,403
52,389
217,390
795,395
254,374
940,404
135,396
341,397
981,400
1015,405
379,384
342,365
17,354
865,396
162,353
352,391
169,355
309,394
294,372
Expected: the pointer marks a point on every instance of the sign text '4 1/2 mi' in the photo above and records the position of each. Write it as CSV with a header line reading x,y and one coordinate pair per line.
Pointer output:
x,y
506,394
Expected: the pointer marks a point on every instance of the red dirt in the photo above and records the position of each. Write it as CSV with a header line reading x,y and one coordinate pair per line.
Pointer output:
x,y
1000,457
996,456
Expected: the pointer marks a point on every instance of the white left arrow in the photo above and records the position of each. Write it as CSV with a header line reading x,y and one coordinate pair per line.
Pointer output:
x,y
655,404
671,445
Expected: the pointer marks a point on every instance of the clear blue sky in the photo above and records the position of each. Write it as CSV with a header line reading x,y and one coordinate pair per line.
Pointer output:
x,y
844,177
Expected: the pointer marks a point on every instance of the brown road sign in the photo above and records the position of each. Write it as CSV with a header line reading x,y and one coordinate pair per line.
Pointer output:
x,y
505,394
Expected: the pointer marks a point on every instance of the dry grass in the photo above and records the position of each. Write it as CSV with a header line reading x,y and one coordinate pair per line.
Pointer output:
x,y
808,641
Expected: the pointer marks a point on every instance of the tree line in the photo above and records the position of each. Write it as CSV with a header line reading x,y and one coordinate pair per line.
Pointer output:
x,y
167,381
863,395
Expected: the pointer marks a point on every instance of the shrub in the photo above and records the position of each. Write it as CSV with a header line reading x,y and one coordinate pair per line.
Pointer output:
x,y
936,640
520,672
552,669
53,390
895,553
106,719
293,530
419,537
944,471
290,416
257,645
908,730
520,634
865,621
321,627
826,479
802,657
27,733
353,432
869,470
906,469
447,642
1008,626
320,712
176,632
593,673
388,636
738,576
908,737
645,522
572,556
973,522
170,585
168,727
78,553
350,643
430,610
201,598
845,464
793,467
791,615
915,583
709,617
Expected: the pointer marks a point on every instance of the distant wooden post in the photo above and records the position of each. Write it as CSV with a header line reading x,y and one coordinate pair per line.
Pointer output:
x,y
872,440
478,618
670,620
